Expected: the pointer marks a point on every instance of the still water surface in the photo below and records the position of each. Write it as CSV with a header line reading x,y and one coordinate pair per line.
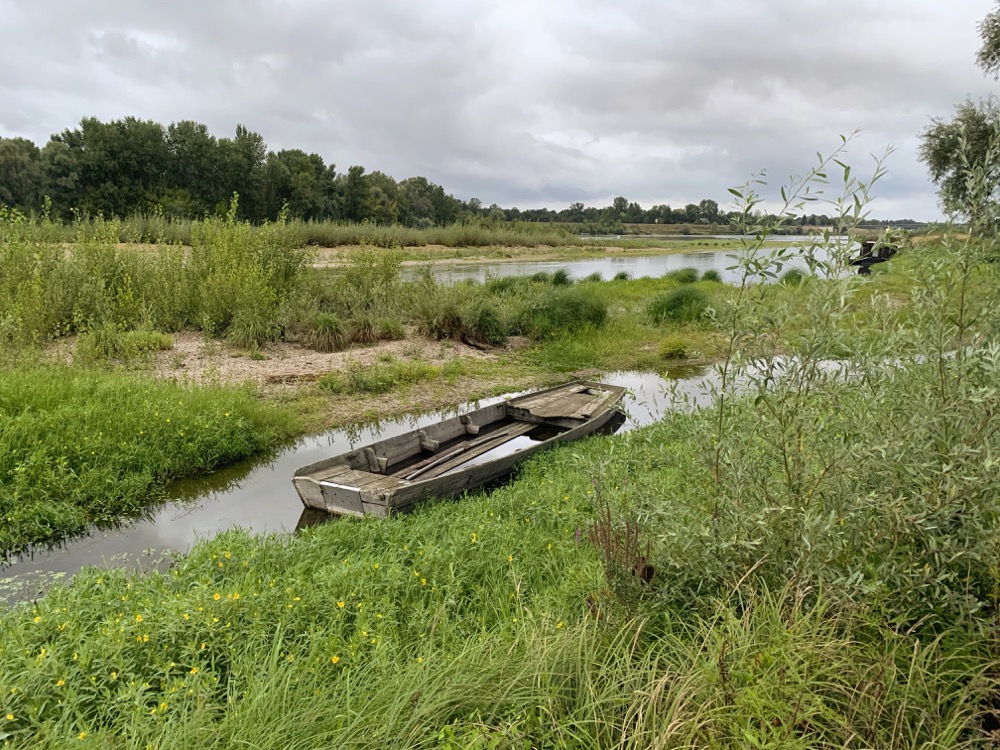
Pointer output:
x,y
259,496
636,266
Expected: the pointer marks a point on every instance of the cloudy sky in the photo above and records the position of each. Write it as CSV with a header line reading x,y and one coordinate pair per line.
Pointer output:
x,y
518,102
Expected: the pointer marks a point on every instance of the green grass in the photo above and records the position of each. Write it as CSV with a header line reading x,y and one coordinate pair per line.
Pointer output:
x,y
485,621
82,446
388,374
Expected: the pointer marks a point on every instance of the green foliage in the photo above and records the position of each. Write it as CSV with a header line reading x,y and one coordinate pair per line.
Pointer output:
x,y
560,277
682,304
793,277
385,375
682,275
327,334
567,310
712,275
594,277
674,347
107,343
482,322
955,149
622,276
80,446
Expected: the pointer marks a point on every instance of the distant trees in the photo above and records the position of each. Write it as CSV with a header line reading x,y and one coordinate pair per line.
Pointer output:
x,y
130,165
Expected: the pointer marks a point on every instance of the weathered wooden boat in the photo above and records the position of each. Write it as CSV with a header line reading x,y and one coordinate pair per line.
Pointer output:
x,y
457,454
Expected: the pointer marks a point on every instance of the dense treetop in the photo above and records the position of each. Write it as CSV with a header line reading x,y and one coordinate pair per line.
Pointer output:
x,y
132,166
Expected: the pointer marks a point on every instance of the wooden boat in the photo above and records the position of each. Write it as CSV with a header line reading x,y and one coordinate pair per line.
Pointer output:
x,y
458,454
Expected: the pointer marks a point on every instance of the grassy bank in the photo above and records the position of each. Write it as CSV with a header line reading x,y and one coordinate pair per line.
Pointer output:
x,y
514,619
84,446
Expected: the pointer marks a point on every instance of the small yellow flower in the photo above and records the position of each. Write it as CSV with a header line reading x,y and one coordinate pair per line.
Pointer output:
x,y
82,736
334,659
375,566
216,596
423,581
60,683
420,660
138,618
187,616
341,604
194,670
549,547
559,625
10,717
114,675
510,558
474,537
236,596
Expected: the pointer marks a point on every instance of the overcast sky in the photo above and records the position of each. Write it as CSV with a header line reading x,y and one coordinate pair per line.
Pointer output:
x,y
522,102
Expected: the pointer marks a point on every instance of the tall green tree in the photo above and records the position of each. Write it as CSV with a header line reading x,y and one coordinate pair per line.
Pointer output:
x,y
969,143
988,57
21,174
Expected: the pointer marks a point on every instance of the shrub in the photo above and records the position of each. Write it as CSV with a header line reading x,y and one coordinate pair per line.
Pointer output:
x,y
250,328
682,275
683,304
595,276
568,310
483,323
793,277
561,278
623,276
326,334
389,329
712,275
362,329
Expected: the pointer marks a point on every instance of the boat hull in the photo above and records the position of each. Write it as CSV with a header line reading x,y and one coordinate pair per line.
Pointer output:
x,y
458,454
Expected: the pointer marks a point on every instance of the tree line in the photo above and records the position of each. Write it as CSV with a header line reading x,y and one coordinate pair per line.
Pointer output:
x,y
182,170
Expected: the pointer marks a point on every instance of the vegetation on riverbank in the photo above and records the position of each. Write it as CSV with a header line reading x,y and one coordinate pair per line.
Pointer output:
x,y
809,561
81,446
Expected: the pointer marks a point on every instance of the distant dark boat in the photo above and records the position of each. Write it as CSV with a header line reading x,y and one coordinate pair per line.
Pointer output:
x,y
457,454
870,255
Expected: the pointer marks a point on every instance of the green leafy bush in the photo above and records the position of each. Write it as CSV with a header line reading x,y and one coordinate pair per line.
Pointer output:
x,y
712,275
567,310
683,304
682,275
326,334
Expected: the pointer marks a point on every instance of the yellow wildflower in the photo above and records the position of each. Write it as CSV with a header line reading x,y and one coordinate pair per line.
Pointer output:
x,y
138,618
216,596
334,659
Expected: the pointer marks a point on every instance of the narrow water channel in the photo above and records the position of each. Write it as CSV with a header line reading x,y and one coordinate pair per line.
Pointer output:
x,y
259,497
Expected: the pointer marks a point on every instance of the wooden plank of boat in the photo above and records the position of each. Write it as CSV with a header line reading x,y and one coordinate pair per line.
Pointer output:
x,y
391,476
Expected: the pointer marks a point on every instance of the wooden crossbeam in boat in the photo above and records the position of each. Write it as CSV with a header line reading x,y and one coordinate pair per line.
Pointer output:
x,y
476,448
463,453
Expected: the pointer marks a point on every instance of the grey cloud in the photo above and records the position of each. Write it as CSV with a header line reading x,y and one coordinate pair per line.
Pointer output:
x,y
516,102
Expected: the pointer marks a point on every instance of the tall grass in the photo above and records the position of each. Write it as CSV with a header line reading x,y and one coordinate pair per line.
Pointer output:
x,y
80,447
159,229
485,620
232,281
